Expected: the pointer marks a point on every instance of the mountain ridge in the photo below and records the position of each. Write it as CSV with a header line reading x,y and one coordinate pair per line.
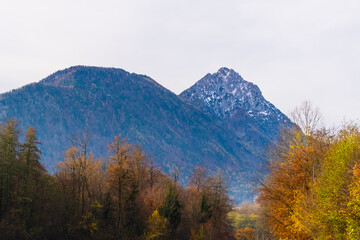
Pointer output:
x,y
60,76
110,101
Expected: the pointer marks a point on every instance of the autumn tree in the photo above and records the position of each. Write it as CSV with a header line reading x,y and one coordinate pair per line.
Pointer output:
x,y
81,181
335,184
198,177
293,166
245,234
198,206
221,205
353,214
124,171
81,142
156,226
153,172
307,117
311,190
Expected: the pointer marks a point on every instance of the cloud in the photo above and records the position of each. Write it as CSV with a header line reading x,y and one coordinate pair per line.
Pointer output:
x,y
294,50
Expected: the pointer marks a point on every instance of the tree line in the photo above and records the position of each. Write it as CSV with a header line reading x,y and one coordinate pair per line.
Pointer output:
x,y
311,191
122,197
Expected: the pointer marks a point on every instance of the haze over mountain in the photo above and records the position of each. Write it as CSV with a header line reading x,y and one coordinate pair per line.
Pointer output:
x,y
221,122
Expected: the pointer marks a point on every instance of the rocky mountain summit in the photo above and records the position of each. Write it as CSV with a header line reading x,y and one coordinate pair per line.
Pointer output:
x,y
238,105
226,92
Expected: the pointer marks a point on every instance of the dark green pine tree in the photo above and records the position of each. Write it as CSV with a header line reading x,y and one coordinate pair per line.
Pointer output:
x,y
9,164
205,210
30,155
33,171
171,210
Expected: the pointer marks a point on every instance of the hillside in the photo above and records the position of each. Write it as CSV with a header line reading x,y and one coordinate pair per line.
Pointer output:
x,y
172,130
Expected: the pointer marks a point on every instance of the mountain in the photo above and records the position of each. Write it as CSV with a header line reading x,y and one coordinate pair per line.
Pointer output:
x,y
222,122
238,106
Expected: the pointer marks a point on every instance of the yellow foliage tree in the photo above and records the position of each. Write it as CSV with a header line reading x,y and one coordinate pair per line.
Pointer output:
x,y
157,226
353,215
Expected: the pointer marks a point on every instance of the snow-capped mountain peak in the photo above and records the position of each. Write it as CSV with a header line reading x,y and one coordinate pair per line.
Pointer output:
x,y
225,92
238,104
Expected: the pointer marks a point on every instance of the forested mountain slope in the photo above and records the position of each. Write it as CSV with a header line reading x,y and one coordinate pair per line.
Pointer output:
x,y
175,131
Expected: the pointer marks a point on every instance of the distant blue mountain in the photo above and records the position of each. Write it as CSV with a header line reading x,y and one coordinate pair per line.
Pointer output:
x,y
222,122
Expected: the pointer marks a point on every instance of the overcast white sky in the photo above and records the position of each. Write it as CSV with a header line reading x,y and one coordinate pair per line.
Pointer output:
x,y
293,50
